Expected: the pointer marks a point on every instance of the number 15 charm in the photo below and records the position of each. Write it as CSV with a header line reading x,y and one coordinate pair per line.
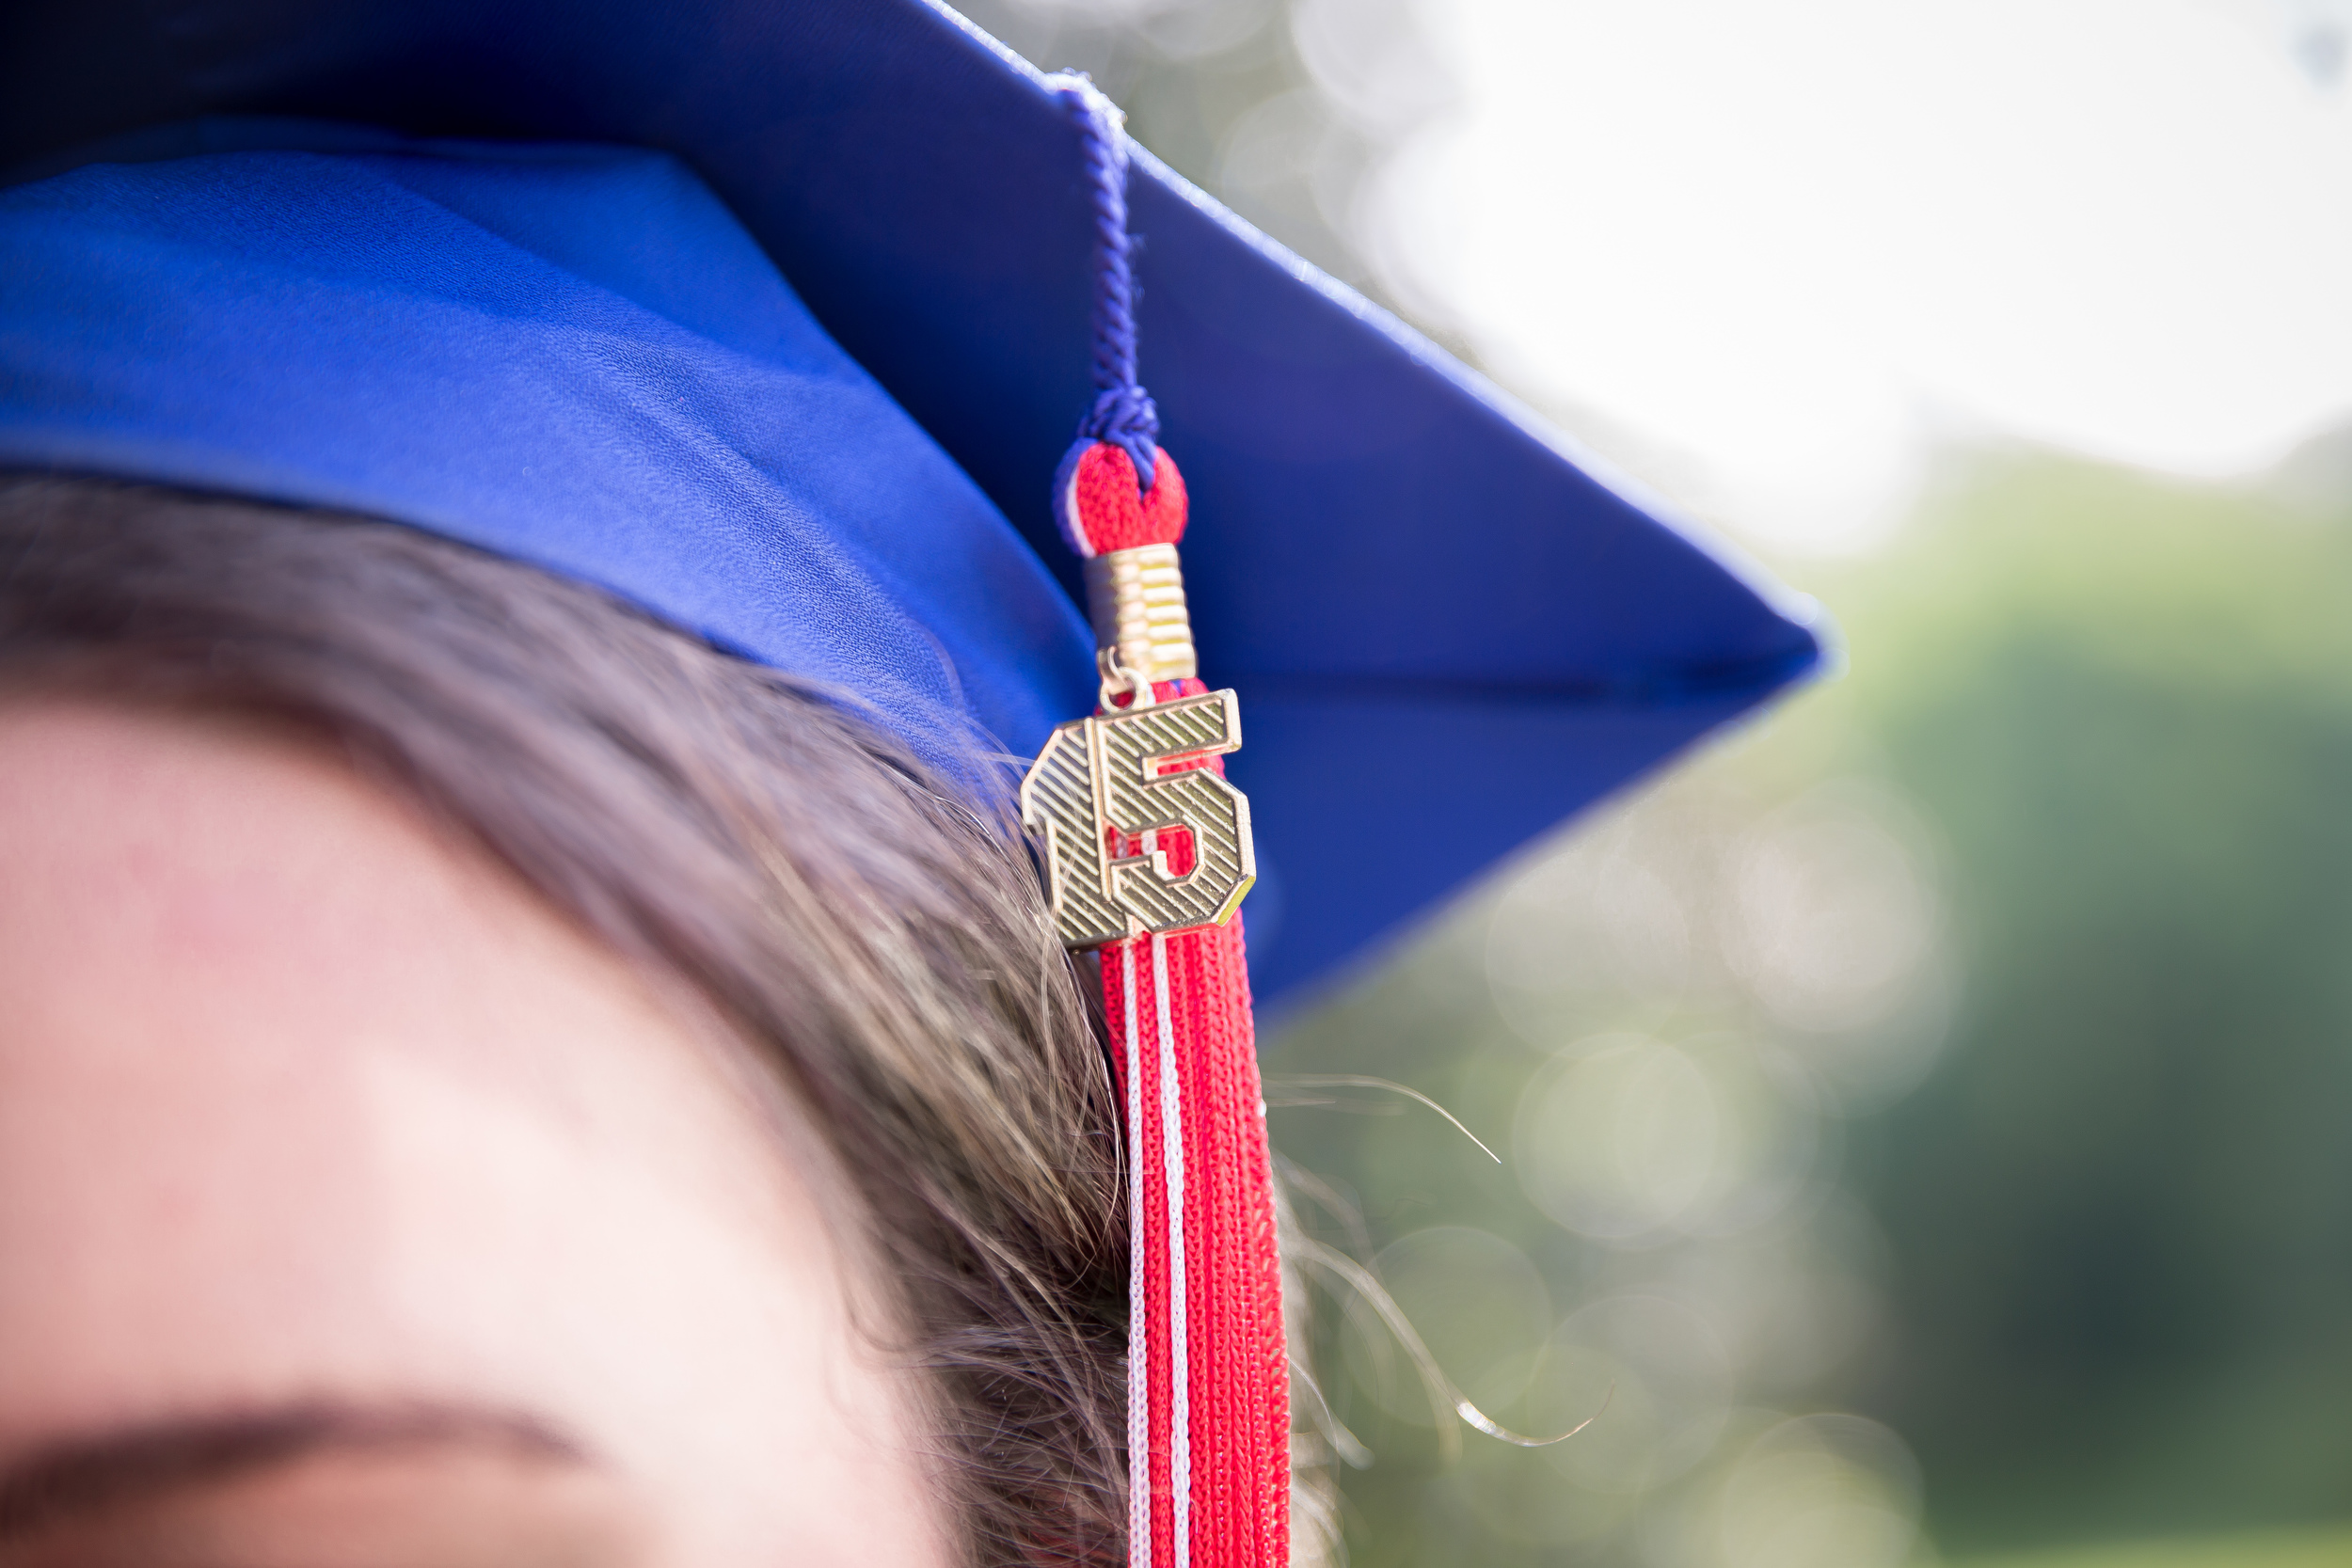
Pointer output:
x,y
1102,795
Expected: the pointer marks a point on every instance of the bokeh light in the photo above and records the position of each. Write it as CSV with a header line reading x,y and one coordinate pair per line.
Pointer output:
x,y
1831,1491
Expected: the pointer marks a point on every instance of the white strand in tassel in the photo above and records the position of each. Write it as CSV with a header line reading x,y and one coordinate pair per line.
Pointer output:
x,y
1172,1140
1138,1318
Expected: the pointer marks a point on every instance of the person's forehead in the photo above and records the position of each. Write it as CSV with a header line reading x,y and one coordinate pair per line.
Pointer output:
x,y
297,1103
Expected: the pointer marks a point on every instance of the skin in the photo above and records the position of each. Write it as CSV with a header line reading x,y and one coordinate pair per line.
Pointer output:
x,y
355,1211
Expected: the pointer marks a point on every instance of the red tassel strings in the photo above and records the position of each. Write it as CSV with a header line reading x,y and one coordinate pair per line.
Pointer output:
x,y
1152,883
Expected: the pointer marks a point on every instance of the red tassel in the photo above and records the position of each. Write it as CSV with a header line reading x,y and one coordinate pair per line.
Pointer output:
x,y
1210,1458
1208,1377
1209,1370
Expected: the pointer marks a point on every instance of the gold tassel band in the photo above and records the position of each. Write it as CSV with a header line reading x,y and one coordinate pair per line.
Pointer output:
x,y
1137,599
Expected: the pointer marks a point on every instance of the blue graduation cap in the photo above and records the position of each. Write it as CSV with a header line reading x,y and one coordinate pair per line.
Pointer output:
x,y
773,317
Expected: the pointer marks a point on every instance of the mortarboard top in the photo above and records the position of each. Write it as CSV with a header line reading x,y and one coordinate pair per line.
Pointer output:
x,y
1447,634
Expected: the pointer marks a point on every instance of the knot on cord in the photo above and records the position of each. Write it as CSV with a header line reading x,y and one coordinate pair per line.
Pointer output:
x,y
1128,418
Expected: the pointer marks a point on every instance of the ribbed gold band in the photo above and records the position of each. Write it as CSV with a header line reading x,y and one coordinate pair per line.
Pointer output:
x,y
1137,598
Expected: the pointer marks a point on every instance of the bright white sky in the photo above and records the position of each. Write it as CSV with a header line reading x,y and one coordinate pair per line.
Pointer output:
x,y
1788,245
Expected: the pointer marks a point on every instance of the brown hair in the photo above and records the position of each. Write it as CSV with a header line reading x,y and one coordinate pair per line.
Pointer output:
x,y
876,931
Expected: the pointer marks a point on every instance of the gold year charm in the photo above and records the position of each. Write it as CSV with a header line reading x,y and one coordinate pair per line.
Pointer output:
x,y
1101,798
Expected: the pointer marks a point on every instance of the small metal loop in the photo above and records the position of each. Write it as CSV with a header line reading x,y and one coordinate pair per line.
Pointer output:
x,y
1117,677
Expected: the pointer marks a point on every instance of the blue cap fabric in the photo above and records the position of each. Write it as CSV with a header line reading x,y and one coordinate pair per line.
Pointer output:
x,y
570,354
1447,633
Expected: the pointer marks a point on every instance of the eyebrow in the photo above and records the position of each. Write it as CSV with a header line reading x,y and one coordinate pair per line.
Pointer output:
x,y
84,1475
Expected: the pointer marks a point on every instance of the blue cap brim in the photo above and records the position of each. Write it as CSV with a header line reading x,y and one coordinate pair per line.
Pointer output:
x,y
1448,634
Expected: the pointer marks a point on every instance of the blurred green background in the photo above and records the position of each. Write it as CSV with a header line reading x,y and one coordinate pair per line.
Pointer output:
x,y
1930,1108
1924,1120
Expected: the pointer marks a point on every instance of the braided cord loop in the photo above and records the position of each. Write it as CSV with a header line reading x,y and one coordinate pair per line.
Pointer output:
x,y
1123,413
